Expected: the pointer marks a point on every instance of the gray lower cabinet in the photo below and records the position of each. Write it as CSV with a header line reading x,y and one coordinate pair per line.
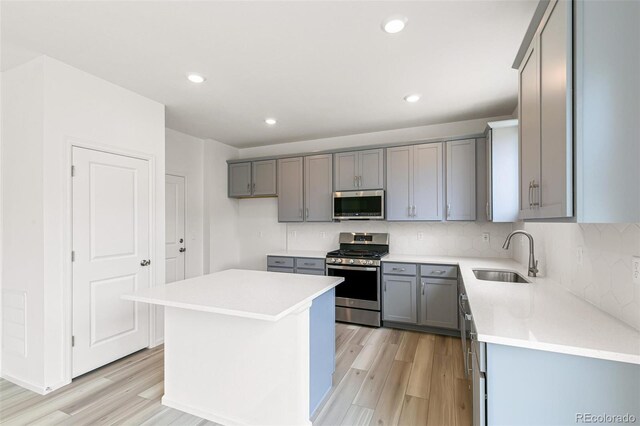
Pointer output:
x,y
399,298
296,265
438,302
422,295
290,190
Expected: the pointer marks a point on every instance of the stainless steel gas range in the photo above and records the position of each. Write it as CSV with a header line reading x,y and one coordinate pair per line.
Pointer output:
x,y
358,262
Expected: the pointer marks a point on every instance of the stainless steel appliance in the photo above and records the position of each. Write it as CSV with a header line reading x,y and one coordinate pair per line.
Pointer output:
x,y
358,262
358,205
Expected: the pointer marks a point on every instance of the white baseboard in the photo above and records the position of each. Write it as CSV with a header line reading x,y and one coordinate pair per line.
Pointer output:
x,y
42,390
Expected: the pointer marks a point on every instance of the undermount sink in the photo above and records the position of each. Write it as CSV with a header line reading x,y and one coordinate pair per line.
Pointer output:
x,y
503,276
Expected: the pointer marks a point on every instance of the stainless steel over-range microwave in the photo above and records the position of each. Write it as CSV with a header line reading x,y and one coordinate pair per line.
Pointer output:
x,y
358,205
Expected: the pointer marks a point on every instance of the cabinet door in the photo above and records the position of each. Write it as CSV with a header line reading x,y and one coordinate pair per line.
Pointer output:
x,y
345,170
399,183
240,179
264,178
439,303
428,184
555,192
371,169
290,190
529,116
318,188
399,299
461,180
488,156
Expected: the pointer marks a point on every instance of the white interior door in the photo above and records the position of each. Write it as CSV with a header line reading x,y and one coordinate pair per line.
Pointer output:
x,y
174,231
111,218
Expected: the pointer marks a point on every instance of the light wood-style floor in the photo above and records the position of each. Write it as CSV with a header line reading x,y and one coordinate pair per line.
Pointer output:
x,y
383,377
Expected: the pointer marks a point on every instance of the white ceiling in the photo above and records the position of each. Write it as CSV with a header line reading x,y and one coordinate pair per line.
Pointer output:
x,y
321,68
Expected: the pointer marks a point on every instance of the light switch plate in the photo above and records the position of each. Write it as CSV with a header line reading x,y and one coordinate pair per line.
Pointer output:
x,y
635,269
486,237
420,236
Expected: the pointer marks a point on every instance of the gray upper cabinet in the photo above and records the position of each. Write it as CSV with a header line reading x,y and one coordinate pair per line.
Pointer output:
x,y
502,171
264,178
359,170
290,190
399,299
461,180
318,188
415,182
252,179
240,179
545,112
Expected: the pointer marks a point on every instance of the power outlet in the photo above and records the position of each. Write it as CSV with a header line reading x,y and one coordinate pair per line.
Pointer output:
x,y
420,236
486,237
580,256
635,269
260,234
293,234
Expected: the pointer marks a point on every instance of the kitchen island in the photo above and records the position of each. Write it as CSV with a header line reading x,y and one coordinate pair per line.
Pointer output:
x,y
247,347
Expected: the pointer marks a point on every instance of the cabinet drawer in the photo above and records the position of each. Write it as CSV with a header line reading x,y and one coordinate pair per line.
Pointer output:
x,y
399,268
281,262
279,269
308,263
439,271
310,271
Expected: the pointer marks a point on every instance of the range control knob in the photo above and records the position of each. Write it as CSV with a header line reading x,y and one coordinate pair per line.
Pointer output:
x,y
351,261
363,262
369,262
338,260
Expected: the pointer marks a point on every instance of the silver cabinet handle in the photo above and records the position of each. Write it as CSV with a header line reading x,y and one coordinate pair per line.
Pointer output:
x,y
308,264
414,211
279,262
448,209
398,269
385,287
423,288
469,363
307,212
487,209
300,213
253,187
530,187
248,187
535,200
359,181
438,272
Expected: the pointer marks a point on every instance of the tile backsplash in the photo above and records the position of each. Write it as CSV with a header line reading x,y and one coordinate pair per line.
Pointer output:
x,y
601,274
444,239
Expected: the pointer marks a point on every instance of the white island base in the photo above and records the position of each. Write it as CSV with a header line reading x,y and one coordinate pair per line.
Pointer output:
x,y
237,356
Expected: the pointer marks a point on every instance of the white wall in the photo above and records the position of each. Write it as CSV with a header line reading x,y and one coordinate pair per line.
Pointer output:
x,y
604,277
185,157
412,134
65,106
221,220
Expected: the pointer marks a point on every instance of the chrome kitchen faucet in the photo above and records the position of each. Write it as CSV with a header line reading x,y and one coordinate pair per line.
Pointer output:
x,y
533,263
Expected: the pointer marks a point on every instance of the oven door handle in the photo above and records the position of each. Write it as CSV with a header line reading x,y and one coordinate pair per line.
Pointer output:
x,y
352,268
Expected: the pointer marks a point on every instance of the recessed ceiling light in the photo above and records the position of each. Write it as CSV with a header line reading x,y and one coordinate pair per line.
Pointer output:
x,y
394,24
412,98
270,121
195,78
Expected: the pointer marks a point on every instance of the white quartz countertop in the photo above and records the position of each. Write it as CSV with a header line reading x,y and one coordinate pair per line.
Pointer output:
x,y
259,295
540,315
311,254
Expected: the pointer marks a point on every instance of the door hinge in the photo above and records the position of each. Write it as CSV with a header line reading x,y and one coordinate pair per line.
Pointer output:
x,y
73,171
73,256
73,341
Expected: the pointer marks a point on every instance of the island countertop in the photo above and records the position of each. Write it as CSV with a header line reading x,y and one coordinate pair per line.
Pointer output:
x,y
261,295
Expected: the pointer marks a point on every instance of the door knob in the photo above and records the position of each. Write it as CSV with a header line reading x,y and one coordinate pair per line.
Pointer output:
x,y
145,262
182,250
